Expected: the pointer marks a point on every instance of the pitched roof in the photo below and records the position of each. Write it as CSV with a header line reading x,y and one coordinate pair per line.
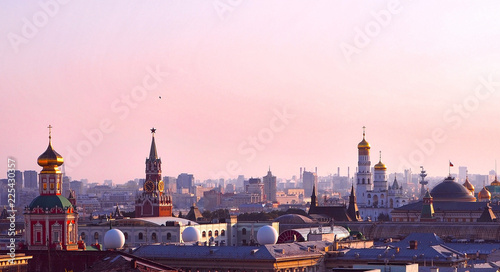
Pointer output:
x,y
265,252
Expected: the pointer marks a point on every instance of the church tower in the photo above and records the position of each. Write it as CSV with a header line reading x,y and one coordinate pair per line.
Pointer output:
x,y
153,202
50,219
380,176
363,177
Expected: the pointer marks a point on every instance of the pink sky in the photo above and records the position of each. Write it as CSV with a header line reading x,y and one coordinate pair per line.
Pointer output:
x,y
227,68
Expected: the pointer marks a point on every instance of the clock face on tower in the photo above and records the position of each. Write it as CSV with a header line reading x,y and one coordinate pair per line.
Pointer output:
x,y
149,186
160,186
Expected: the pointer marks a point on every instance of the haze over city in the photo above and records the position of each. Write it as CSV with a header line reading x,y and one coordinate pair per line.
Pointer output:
x,y
234,89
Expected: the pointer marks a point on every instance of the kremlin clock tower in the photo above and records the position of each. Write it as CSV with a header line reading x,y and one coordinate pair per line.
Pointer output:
x,y
51,219
153,202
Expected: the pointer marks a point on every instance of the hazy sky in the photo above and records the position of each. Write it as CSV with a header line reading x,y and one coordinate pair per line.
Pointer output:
x,y
245,85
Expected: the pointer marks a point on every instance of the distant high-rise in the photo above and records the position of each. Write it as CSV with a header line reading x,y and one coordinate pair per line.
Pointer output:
x,y
462,173
30,179
76,186
185,181
65,185
170,184
255,188
309,179
270,186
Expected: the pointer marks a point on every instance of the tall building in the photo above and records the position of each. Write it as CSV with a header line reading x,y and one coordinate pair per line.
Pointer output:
x,y
66,185
170,184
153,202
309,180
462,173
30,179
76,186
185,181
270,186
51,220
255,188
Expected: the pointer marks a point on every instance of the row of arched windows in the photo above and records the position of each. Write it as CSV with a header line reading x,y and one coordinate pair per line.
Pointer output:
x,y
140,236
215,234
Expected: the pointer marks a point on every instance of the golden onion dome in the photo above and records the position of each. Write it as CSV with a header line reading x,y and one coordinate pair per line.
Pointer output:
x,y
363,144
380,166
495,182
484,194
50,160
468,185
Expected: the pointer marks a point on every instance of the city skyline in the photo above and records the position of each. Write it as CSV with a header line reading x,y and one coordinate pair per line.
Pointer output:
x,y
234,89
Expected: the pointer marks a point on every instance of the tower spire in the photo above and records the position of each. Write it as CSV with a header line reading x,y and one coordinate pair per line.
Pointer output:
x,y
152,153
364,132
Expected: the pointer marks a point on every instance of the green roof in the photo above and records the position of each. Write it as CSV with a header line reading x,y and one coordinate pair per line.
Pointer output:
x,y
49,202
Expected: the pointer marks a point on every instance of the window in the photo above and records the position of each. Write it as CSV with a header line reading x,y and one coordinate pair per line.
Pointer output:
x,y
169,236
141,236
126,235
71,234
216,233
222,233
38,233
204,234
96,236
82,236
52,186
153,237
244,231
45,186
209,233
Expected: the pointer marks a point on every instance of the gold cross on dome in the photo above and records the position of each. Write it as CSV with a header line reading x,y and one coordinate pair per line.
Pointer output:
x,y
50,131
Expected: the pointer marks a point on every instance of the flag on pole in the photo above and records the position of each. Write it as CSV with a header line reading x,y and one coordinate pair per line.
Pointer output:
x,y
451,164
